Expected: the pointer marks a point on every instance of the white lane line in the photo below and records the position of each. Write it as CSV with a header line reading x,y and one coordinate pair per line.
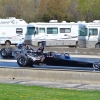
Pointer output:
x,y
6,60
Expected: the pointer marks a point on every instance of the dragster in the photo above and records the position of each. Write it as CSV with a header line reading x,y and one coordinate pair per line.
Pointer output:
x,y
53,59
29,57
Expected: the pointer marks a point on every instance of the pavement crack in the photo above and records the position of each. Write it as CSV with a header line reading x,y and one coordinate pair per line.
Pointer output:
x,y
80,85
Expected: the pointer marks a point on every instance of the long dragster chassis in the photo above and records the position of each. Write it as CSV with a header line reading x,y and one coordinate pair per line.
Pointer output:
x,y
55,60
29,58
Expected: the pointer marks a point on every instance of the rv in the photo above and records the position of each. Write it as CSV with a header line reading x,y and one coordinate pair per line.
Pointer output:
x,y
89,35
53,33
12,30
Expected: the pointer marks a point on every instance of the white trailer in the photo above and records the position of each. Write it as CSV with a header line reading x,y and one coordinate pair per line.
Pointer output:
x,y
52,33
89,35
12,30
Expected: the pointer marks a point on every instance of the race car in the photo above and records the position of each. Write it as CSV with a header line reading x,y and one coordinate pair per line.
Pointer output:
x,y
14,53
53,59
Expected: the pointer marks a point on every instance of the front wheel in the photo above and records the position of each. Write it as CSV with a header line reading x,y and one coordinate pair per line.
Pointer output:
x,y
96,66
22,61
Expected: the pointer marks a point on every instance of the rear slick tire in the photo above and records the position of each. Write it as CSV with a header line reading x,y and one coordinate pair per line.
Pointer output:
x,y
22,61
30,63
4,53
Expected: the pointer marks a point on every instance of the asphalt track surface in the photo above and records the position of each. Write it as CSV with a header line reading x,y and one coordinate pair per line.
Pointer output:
x,y
12,63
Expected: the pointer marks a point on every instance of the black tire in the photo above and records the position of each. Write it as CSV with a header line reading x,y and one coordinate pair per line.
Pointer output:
x,y
4,53
22,61
10,50
96,66
99,65
7,43
77,45
39,44
97,45
30,63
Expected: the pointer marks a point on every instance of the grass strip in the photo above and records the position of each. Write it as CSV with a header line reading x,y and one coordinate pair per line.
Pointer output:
x,y
23,92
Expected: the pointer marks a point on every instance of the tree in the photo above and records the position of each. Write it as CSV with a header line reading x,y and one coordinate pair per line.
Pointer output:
x,y
17,8
86,10
53,9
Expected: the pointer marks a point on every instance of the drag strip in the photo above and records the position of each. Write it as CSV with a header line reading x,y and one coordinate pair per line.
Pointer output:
x,y
11,63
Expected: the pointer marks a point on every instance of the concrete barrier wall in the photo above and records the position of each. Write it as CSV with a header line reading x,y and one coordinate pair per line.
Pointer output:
x,y
50,75
75,51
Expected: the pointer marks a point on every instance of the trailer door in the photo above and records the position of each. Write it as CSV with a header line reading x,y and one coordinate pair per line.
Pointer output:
x,y
41,33
52,36
92,38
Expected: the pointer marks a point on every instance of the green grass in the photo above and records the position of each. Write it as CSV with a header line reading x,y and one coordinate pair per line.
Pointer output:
x,y
22,92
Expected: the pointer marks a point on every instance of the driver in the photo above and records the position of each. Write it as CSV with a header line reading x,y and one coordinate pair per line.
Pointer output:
x,y
40,50
20,45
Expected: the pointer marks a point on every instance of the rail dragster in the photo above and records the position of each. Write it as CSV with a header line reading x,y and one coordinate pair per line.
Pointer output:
x,y
32,58
28,57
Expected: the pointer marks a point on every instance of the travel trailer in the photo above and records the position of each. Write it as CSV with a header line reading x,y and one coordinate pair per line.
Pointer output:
x,y
12,30
89,35
53,33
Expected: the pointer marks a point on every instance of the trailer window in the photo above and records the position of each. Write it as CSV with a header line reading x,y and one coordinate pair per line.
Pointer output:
x,y
65,30
41,30
19,31
83,31
30,30
52,30
93,31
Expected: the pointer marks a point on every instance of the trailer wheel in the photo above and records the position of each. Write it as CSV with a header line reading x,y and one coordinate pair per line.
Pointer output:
x,y
4,53
22,61
39,44
97,45
77,45
7,43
